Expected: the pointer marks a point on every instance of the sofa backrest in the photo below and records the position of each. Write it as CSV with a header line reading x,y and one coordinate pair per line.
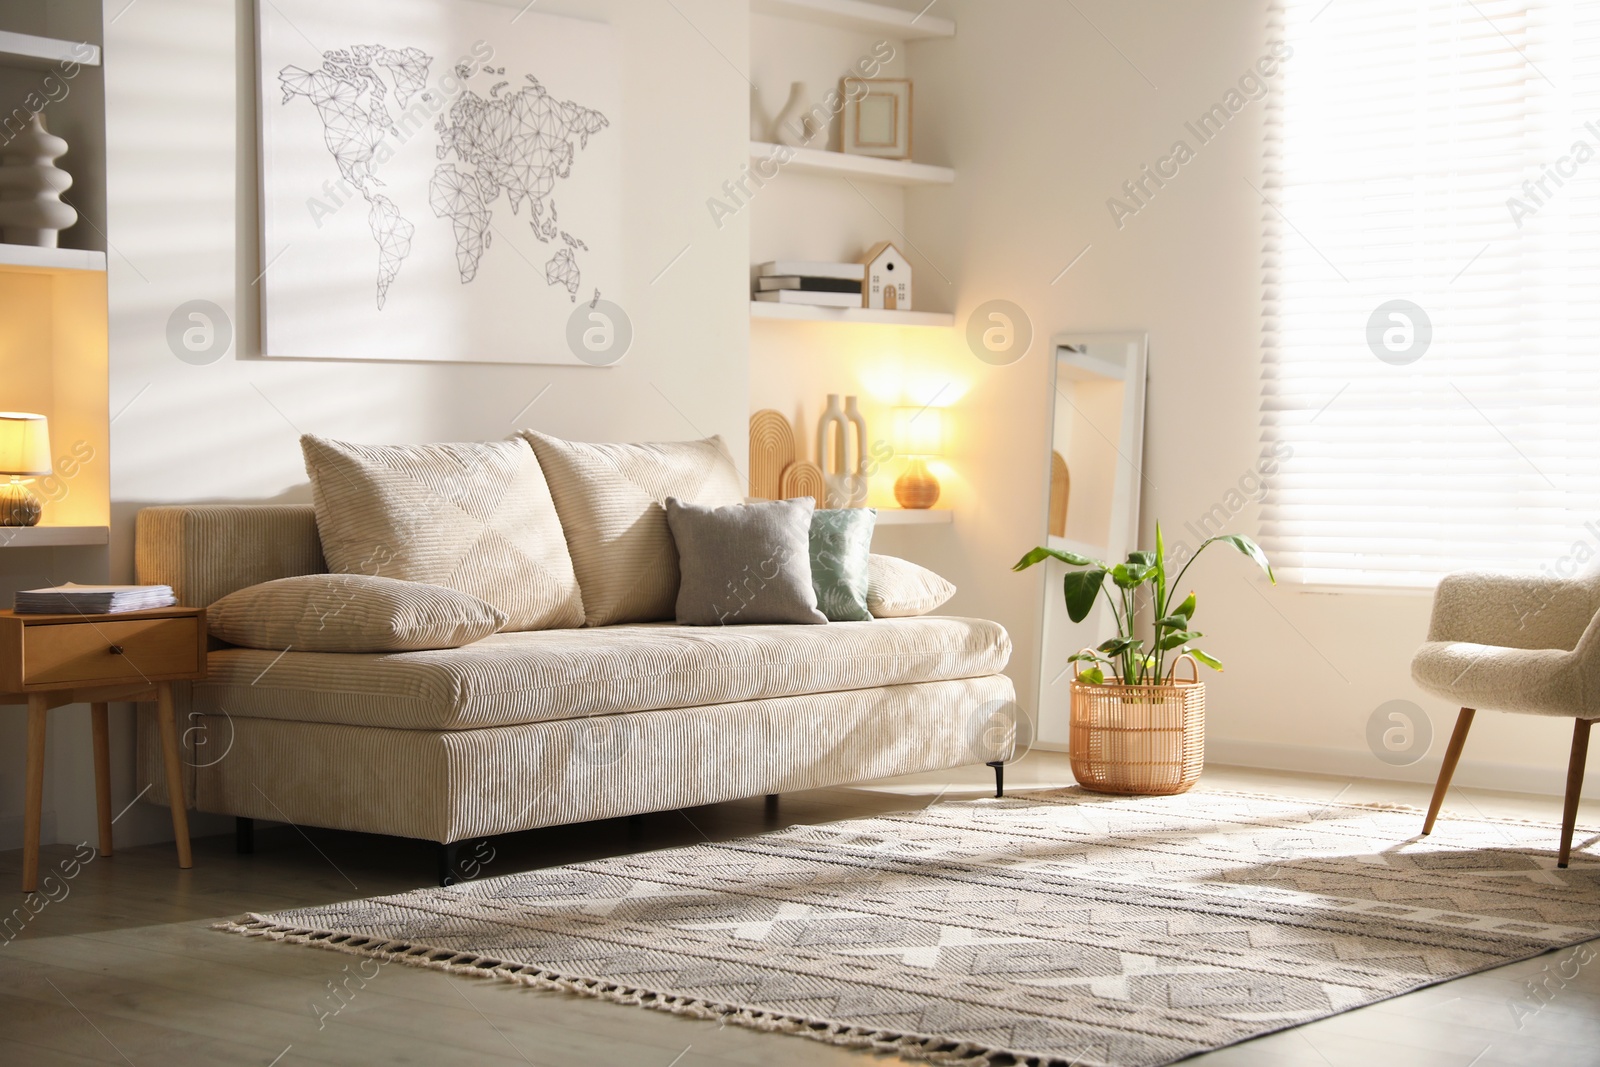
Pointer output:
x,y
206,551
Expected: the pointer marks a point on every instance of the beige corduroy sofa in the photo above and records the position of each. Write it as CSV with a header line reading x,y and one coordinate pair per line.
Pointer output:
x,y
539,728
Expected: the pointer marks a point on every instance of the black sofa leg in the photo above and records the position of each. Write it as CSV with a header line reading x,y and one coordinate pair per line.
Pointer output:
x,y
772,805
449,854
244,836
999,778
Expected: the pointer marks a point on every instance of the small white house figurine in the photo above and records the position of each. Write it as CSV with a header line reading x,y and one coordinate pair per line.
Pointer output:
x,y
888,282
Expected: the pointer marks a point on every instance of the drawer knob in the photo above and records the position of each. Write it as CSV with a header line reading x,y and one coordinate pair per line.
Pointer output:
x,y
116,650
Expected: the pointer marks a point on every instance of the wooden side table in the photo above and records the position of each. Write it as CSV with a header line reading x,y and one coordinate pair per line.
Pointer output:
x,y
50,660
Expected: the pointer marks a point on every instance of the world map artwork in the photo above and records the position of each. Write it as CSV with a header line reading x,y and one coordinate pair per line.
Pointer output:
x,y
514,139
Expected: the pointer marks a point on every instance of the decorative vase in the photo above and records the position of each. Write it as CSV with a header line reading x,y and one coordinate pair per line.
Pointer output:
x,y
1138,740
858,479
31,211
845,478
792,127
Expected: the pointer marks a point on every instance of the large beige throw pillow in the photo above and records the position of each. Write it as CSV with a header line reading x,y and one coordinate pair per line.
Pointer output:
x,y
351,613
899,589
473,517
612,502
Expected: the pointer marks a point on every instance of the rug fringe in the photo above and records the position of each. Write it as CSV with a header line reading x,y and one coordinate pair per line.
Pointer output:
x,y
938,1051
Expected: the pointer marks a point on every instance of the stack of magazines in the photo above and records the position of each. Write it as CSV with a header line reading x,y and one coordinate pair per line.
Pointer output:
x,y
93,599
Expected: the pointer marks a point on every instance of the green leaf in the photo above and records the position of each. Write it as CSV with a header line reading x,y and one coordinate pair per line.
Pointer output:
x,y
1131,575
1115,646
1172,641
1084,657
1186,609
1080,588
1173,622
1142,559
1161,570
1249,548
1093,676
1210,661
1039,555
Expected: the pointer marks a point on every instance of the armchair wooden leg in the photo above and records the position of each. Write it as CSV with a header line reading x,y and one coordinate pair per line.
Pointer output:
x,y
1569,813
1452,756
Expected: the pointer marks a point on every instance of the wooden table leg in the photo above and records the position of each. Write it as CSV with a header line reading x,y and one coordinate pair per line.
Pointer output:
x,y
102,773
38,709
169,755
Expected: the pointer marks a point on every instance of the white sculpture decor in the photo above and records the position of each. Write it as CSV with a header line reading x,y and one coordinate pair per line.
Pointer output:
x,y
31,211
841,454
793,126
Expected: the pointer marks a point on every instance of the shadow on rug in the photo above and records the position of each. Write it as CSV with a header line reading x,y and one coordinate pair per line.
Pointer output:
x,y
1050,928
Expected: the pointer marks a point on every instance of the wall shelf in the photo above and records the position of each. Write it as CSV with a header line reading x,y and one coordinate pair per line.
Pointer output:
x,y
32,259
858,15
915,517
53,536
806,313
42,53
867,168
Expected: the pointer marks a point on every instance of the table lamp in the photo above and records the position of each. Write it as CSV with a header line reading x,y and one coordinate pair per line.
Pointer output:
x,y
24,453
918,437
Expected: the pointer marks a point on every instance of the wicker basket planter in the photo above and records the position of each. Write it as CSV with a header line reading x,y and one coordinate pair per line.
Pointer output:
x,y
1138,739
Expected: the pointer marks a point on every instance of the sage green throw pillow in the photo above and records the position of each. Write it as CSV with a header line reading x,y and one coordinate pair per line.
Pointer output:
x,y
841,541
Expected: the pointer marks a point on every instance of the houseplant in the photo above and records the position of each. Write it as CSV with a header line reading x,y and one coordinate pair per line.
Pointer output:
x,y
1142,730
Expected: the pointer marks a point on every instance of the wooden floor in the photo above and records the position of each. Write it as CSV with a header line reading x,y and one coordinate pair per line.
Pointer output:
x,y
122,968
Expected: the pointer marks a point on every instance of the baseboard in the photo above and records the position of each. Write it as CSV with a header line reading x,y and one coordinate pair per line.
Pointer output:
x,y
1352,763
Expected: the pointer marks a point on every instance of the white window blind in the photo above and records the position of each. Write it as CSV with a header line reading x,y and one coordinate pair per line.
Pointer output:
x,y
1398,143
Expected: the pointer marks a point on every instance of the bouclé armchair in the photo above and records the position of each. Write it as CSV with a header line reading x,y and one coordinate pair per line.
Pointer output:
x,y
1523,644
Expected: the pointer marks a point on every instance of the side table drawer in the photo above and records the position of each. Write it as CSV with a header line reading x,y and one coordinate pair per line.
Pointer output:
x,y
110,651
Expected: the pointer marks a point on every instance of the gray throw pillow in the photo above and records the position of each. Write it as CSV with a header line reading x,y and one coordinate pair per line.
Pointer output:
x,y
841,541
744,563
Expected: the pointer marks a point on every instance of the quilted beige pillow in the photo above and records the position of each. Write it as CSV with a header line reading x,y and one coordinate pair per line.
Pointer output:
x,y
477,518
898,588
351,613
612,502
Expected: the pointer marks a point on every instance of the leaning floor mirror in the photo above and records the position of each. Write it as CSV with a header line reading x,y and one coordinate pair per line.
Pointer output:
x,y
1095,474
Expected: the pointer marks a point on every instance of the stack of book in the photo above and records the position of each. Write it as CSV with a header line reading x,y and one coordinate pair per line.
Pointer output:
x,y
794,281
93,599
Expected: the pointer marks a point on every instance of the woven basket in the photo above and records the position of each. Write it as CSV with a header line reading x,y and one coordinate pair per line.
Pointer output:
x,y
1139,739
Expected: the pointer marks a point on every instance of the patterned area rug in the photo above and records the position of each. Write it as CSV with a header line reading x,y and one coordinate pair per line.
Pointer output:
x,y
1053,928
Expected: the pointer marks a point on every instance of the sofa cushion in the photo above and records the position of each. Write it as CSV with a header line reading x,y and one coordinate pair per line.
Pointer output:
x,y
612,502
556,674
472,517
841,545
351,613
744,564
898,588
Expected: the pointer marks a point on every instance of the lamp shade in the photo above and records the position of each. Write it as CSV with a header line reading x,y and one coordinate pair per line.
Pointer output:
x,y
24,445
918,431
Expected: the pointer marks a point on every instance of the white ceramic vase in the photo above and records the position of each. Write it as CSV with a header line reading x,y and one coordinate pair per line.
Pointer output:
x,y
841,454
31,211
792,127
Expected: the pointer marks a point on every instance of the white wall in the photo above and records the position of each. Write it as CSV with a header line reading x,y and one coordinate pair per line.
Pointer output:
x,y
1044,119
180,78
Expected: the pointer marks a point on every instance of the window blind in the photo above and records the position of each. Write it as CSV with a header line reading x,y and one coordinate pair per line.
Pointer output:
x,y
1447,155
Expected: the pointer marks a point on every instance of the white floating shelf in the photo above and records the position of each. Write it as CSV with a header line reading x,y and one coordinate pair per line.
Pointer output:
x,y
32,259
42,53
856,15
867,168
915,517
53,536
760,309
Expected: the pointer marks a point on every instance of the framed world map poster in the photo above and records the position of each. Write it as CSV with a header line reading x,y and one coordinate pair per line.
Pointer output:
x,y
440,179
